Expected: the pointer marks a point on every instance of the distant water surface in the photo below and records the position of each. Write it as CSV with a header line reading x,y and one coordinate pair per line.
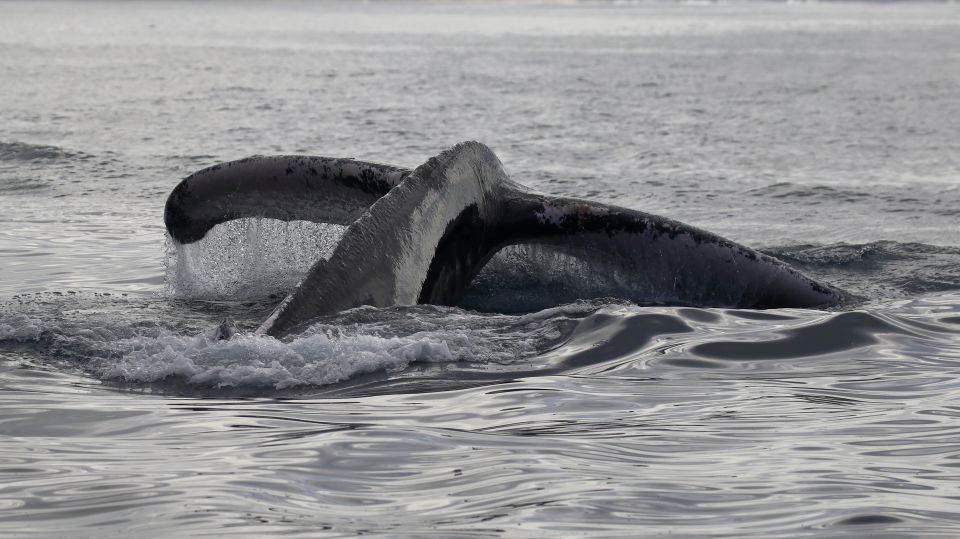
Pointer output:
x,y
825,135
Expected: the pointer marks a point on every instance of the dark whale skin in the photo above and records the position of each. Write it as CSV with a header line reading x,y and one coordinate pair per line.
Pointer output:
x,y
422,235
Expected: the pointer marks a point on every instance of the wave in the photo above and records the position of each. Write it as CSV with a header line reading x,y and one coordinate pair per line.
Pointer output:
x,y
861,255
25,167
879,270
423,348
923,198
809,194
22,151
175,344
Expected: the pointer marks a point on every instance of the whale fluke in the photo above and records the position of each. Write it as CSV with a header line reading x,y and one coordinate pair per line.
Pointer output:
x,y
284,187
421,236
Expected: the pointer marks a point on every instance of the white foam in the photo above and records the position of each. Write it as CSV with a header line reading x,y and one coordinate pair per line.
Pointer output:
x,y
20,328
246,360
113,342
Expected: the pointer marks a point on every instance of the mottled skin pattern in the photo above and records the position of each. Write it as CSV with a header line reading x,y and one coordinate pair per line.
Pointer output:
x,y
421,236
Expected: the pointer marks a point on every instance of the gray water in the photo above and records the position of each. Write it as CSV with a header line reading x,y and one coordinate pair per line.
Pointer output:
x,y
826,135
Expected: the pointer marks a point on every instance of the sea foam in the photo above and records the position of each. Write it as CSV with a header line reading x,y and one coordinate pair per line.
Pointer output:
x,y
323,358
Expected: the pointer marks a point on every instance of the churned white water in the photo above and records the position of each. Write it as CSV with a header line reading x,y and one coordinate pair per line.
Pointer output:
x,y
823,134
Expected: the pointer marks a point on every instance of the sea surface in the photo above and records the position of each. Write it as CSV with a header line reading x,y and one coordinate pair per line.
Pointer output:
x,y
827,135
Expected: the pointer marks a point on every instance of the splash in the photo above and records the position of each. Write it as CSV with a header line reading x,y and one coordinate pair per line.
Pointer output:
x,y
247,259
158,343
323,358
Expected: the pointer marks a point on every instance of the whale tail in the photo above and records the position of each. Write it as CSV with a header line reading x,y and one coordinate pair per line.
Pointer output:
x,y
426,239
421,236
284,187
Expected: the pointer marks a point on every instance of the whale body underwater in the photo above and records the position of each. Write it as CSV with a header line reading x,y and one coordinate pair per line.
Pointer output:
x,y
422,235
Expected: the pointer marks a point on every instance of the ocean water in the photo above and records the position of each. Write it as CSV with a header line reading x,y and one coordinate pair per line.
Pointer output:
x,y
823,134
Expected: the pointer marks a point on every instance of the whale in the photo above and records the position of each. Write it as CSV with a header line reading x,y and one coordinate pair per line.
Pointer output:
x,y
422,235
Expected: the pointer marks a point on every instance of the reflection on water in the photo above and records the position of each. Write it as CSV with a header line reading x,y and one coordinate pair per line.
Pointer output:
x,y
607,418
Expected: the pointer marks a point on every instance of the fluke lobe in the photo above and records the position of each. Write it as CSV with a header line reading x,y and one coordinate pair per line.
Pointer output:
x,y
421,235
